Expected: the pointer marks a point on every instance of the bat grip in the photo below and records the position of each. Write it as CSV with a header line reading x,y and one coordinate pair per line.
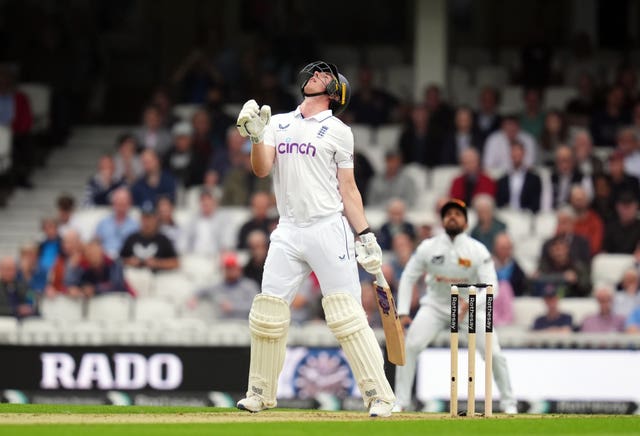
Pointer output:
x,y
380,279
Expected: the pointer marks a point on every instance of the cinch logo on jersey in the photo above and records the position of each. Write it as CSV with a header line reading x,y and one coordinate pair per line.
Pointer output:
x,y
295,148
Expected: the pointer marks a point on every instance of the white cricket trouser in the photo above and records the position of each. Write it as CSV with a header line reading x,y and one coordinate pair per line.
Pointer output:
x,y
326,247
428,322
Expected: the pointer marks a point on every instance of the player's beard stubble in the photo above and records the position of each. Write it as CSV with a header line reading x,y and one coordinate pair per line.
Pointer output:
x,y
452,228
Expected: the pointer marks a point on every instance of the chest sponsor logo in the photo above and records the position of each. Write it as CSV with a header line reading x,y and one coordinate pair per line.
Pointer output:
x,y
297,148
466,263
322,131
437,260
283,127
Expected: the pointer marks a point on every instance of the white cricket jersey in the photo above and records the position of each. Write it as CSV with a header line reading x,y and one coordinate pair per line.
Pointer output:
x,y
446,262
309,152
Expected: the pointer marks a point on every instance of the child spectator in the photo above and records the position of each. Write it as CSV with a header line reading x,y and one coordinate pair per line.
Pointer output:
x,y
14,298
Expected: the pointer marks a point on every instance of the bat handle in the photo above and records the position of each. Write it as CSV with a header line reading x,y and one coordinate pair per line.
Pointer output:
x,y
380,279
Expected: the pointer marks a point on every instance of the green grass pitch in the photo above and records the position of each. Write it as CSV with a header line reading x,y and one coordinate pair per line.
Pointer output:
x,y
61,420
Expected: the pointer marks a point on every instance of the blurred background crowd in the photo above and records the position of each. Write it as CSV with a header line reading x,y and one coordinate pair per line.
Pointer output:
x,y
541,139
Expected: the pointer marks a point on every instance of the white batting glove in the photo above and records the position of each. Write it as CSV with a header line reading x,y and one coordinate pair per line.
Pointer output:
x,y
369,253
252,121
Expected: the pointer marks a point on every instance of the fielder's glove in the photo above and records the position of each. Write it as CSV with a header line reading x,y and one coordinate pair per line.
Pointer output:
x,y
369,253
252,121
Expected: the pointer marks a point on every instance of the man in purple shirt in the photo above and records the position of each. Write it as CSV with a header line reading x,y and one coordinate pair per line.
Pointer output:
x,y
605,320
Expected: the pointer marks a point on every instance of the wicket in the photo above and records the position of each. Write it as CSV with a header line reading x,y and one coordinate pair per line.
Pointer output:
x,y
471,395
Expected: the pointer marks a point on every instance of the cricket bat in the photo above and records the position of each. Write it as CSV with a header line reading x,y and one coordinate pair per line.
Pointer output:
x,y
393,332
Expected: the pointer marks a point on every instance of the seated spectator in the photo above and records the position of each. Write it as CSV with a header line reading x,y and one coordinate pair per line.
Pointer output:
x,y
65,208
258,244
100,275
168,225
569,276
606,320
115,228
463,136
627,146
148,248
473,180
370,104
241,182
520,188
101,185
582,106
414,145
14,292
49,247
209,184
441,115
554,135
396,223
603,198
586,162
225,158
565,229
205,233
619,179
564,175
553,320
627,79
306,304
632,324
259,220
623,234
487,118
126,160
628,295
181,160
154,182
403,247
161,98
393,183
507,268
532,119
30,271
488,225
232,297
496,149
606,121
152,135
64,277
203,137
587,223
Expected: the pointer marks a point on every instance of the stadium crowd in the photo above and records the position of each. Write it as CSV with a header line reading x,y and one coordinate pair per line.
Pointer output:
x,y
200,164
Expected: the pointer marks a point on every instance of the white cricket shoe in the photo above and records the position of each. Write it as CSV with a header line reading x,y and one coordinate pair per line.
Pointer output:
x,y
397,408
380,408
511,409
252,403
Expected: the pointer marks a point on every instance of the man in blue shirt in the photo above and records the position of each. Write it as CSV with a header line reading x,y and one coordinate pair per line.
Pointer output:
x,y
154,183
114,229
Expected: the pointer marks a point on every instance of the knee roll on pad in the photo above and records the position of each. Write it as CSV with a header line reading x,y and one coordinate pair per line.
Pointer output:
x,y
344,315
269,317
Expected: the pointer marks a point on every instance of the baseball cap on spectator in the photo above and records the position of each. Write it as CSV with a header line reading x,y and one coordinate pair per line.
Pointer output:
x,y
230,260
183,128
148,208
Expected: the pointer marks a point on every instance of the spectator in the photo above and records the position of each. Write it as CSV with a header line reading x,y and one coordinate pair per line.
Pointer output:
x,y
30,271
632,324
218,118
628,296
152,135
605,320
370,104
65,207
49,247
167,223
587,224
582,106
209,184
507,267
100,275
195,75
606,121
621,181
161,99
520,188
603,202
440,116
232,298
553,320
628,81
403,247
623,234
101,185
203,139
464,136
241,182
153,183
64,276
496,148
532,119
564,175
393,183
586,162
415,145
306,304
554,134
488,225
181,160
148,248
260,219
205,233
569,276
257,243
126,161
396,223
14,292
230,156
487,118
627,145
565,229
115,228
473,180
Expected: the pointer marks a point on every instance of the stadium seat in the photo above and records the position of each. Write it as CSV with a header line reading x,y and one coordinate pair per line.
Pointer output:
x,y
441,178
39,96
86,221
140,280
376,217
472,56
459,84
527,250
545,224
62,308
400,81
8,329
362,135
519,222
38,331
375,156
234,218
153,310
579,308
388,136
491,75
109,308
526,310
418,174
557,97
174,287
88,333
511,100
201,270
608,268
185,111
5,149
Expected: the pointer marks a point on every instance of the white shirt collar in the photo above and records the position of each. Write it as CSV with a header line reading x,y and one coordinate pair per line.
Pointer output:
x,y
320,116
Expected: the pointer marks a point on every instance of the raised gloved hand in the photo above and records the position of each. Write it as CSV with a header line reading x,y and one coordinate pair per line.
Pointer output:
x,y
369,253
252,120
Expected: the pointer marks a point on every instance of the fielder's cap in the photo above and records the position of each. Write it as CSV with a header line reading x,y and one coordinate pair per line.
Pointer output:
x,y
454,203
230,260
183,128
